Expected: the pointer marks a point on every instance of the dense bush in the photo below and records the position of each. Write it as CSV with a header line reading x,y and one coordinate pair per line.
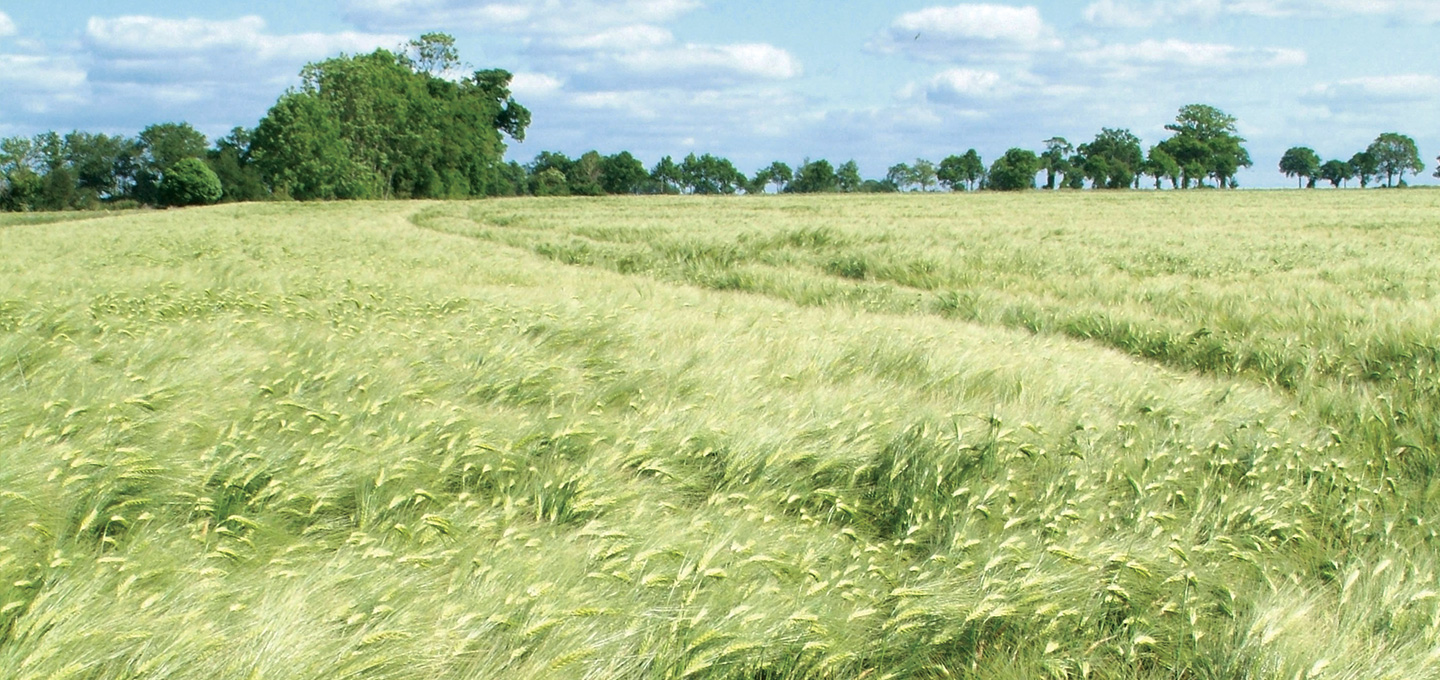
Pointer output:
x,y
190,182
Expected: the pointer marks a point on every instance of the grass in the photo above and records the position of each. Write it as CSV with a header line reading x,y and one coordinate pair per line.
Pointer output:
x,y
1076,436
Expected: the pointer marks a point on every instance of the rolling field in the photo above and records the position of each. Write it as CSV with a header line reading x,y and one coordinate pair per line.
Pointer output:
x,y
1136,435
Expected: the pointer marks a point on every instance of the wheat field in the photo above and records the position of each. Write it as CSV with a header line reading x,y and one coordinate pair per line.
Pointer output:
x,y
1184,435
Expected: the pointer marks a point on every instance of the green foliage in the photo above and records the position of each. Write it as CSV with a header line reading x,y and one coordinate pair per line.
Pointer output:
x,y
666,175
1301,162
1365,166
707,174
190,182
1205,144
778,174
1015,171
433,53
1394,155
961,172
1161,165
231,159
847,177
1055,160
623,173
384,125
815,177
901,175
1336,172
302,152
1113,160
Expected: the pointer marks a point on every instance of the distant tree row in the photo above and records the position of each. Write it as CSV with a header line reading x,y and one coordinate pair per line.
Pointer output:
x,y
1392,155
406,124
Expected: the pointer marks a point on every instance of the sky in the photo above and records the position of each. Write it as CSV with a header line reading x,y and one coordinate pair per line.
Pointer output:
x,y
879,82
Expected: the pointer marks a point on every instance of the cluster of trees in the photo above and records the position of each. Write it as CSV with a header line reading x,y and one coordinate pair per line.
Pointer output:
x,y
164,165
1391,155
402,125
380,125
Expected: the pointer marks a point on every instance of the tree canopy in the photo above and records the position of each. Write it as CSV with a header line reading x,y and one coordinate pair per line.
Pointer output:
x,y
384,125
1014,171
1395,154
1301,162
1206,145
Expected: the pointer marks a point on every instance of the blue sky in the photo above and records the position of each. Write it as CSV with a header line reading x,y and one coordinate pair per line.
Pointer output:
x,y
878,82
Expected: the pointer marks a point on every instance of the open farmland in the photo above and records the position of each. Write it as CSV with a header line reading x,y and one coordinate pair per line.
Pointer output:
x,y
1189,435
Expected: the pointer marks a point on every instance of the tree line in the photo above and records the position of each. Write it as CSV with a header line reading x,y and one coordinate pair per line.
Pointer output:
x,y
1392,155
403,124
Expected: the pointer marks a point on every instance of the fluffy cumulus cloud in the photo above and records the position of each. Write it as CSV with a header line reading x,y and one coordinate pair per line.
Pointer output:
x,y
645,56
140,38
177,64
41,85
7,26
126,72
534,16
1146,13
969,31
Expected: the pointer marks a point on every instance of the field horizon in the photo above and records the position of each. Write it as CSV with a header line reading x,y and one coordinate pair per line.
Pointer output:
x,y
1074,435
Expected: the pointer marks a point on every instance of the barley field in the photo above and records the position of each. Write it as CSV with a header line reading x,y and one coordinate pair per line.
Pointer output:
x,y
1135,435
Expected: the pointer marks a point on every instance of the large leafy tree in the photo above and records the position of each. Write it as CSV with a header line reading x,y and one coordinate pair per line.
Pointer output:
x,y
778,173
1161,165
815,177
161,146
961,172
1014,171
1301,162
709,174
923,174
1206,144
1336,172
666,175
972,168
1395,154
233,164
104,167
1113,160
1055,159
1365,167
623,173
587,174
386,125
901,175
847,176
21,173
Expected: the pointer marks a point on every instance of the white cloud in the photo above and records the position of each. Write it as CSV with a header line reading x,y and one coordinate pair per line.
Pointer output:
x,y
535,85
1378,89
7,26
540,16
141,36
644,56
1204,57
624,38
1141,14
1021,25
746,60
967,83
39,74
975,31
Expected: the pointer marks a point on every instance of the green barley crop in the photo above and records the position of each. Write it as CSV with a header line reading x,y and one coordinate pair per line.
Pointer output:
x,y
1075,436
